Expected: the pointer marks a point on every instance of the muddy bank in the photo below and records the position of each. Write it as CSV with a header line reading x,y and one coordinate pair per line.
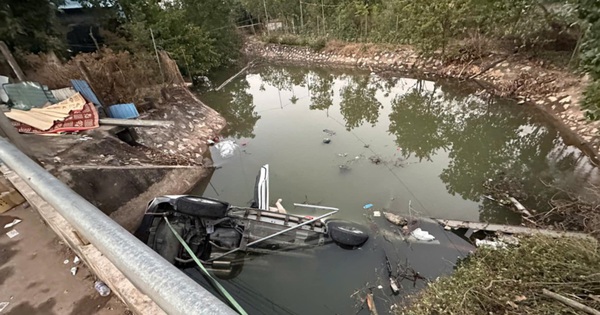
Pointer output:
x,y
120,177
532,82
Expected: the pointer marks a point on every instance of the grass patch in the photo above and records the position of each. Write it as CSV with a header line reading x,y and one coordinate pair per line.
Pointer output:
x,y
316,43
591,102
510,281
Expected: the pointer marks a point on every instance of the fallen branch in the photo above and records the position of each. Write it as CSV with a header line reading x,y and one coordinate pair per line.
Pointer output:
x,y
519,206
486,69
465,67
576,305
248,66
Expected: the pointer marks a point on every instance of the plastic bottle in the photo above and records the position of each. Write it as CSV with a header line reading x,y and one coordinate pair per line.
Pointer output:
x,y
102,288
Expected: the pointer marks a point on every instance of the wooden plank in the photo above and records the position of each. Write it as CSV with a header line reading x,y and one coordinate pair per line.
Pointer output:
x,y
135,122
509,229
103,268
11,61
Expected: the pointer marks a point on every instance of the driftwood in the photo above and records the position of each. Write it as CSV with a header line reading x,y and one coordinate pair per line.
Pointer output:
x,y
486,69
576,305
395,219
248,66
371,304
519,206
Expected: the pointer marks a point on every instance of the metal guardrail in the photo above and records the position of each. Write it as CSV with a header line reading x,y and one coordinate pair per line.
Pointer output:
x,y
170,288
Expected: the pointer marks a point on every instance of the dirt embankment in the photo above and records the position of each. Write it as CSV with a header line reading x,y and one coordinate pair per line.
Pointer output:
x,y
532,82
120,178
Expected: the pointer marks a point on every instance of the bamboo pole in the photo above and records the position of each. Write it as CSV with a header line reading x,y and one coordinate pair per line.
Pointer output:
x,y
301,17
576,305
157,57
266,17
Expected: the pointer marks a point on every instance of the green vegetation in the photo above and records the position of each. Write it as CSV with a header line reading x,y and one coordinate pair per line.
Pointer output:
x,y
589,12
510,281
428,24
31,25
566,30
200,35
316,43
204,35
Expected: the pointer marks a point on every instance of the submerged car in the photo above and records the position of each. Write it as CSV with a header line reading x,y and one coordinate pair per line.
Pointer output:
x,y
219,234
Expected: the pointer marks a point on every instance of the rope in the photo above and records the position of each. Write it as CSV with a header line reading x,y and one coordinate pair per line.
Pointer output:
x,y
215,283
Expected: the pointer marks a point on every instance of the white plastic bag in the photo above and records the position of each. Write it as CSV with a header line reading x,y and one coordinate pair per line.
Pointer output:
x,y
489,243
226,148
422,235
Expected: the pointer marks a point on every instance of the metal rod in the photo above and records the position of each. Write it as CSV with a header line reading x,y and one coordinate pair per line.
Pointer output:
x,y
303,205
135,122
275,234
170,288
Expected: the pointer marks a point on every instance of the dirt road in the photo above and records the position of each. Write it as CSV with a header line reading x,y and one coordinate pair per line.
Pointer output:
x,y
34,278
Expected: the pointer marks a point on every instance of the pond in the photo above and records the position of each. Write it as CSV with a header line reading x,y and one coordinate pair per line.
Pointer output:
x,y
404,145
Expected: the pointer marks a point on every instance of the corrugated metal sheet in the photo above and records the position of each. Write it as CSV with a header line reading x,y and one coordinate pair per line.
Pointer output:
x,y
83,87
49,95
24,95
123,111
63,94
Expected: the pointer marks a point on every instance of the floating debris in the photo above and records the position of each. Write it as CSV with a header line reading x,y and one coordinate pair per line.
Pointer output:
x,y
395,219
344,167
368,206
329,132
326,140
375,159
422,235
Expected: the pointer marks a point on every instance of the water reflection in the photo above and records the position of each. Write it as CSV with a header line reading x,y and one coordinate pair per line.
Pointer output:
x,y
359,103
438,142
420,122
427,121
321,91
236,105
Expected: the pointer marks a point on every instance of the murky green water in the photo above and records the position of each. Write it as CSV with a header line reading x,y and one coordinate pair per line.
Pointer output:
x,y
436,143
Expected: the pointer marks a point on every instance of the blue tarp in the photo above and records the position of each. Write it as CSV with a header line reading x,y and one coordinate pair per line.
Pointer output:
x,y
123,111
83,87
